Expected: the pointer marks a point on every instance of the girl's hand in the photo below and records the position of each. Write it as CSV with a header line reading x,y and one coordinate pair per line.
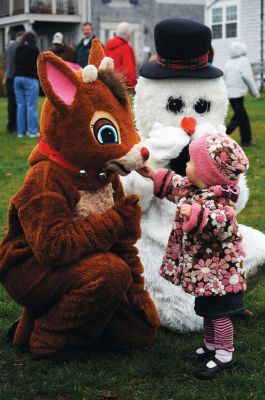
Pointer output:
x,y
147,171
185,210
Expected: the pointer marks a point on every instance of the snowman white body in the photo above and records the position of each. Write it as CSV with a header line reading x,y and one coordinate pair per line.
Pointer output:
x,y
155,106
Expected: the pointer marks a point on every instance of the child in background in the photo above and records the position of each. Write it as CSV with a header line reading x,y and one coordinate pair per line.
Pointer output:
x,y
204,252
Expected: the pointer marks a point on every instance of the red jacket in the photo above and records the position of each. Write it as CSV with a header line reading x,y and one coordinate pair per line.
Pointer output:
x,y
124,59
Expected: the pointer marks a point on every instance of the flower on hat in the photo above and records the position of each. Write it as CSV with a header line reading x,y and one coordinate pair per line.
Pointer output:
x,y
227,155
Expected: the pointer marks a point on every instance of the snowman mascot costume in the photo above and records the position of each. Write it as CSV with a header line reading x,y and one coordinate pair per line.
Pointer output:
x,y
179,97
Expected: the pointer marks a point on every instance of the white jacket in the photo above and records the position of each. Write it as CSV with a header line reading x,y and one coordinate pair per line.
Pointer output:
x,y
238,73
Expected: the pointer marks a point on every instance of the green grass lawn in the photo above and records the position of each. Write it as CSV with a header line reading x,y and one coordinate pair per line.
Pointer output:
x,y
157,372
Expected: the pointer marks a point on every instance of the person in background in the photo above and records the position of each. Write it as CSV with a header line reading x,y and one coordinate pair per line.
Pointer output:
x,y
26,85
122,53
210,55
84,46
239,80
145,55
9,83
62,49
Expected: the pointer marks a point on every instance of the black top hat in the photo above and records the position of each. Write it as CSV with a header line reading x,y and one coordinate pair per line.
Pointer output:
x,y
182,47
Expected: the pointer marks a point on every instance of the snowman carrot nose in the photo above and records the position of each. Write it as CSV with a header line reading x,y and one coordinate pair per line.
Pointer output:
x,y
188,124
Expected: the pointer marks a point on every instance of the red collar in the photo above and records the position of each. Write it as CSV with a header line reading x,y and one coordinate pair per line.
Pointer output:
x,y
57,157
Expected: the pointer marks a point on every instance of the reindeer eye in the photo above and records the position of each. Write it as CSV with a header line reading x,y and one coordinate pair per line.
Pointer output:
x,y
105,131
202,106
175,104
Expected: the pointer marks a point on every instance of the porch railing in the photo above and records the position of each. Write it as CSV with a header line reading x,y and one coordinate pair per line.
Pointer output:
x,y
40,6
14,7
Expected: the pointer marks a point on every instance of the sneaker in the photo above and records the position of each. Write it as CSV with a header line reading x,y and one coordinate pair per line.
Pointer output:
x,y
33,135
205,372
20,135
195,357
247,144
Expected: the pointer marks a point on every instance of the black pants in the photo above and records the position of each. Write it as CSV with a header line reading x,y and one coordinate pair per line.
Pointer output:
x,y
11,106
240,119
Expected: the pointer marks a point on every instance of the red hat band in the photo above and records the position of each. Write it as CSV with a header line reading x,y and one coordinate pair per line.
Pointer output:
x,y
192,64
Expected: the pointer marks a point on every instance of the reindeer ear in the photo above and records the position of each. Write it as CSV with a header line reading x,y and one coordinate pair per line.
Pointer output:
x,y
96,53
58,81
107,64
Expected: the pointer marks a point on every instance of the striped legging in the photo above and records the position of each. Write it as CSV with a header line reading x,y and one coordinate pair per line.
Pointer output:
x,y
218,333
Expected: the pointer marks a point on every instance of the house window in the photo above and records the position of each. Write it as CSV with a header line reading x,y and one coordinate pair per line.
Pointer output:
x,y
217,31
231,13
231,24
231,30
40,6
66,7
217,15
217,19
224,22
18,7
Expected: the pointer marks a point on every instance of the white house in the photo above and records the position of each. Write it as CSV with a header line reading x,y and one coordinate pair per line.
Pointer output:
x,y
46,17
236,20
229,20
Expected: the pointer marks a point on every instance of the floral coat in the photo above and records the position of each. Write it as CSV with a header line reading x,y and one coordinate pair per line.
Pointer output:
x,y
204,252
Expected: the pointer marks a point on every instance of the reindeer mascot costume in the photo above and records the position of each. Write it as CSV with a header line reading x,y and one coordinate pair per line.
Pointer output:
x,y
69,256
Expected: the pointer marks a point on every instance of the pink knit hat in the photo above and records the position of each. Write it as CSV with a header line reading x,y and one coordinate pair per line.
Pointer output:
x,y
218,159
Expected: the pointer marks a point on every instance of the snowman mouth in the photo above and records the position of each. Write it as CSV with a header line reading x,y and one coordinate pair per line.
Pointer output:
x,y
178,164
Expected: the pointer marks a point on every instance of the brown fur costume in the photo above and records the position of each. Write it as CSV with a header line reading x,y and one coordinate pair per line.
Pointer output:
x,y
69,254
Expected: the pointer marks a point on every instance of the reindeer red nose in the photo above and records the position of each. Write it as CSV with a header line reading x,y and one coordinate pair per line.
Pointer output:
x,y
145,153
188,124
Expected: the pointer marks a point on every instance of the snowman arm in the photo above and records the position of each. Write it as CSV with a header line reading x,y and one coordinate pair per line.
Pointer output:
x,y
137,184
243,194
165,143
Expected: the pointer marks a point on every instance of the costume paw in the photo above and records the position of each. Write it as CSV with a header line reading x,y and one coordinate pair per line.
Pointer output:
x,y
129,209
142,302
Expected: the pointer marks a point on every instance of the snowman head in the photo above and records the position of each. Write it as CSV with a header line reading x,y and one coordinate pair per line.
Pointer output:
x,y
180,90
182,103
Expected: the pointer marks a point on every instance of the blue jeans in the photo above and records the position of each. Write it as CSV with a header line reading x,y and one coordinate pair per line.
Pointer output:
x,y
27,92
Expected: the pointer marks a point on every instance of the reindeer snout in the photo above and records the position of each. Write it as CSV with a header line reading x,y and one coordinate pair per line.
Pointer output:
x,y
145,153
188,124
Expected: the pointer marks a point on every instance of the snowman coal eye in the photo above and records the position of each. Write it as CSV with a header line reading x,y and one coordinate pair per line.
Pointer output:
x,y
175,104
202,106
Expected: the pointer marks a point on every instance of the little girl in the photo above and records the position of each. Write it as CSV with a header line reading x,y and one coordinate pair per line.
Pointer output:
x,y
204,252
